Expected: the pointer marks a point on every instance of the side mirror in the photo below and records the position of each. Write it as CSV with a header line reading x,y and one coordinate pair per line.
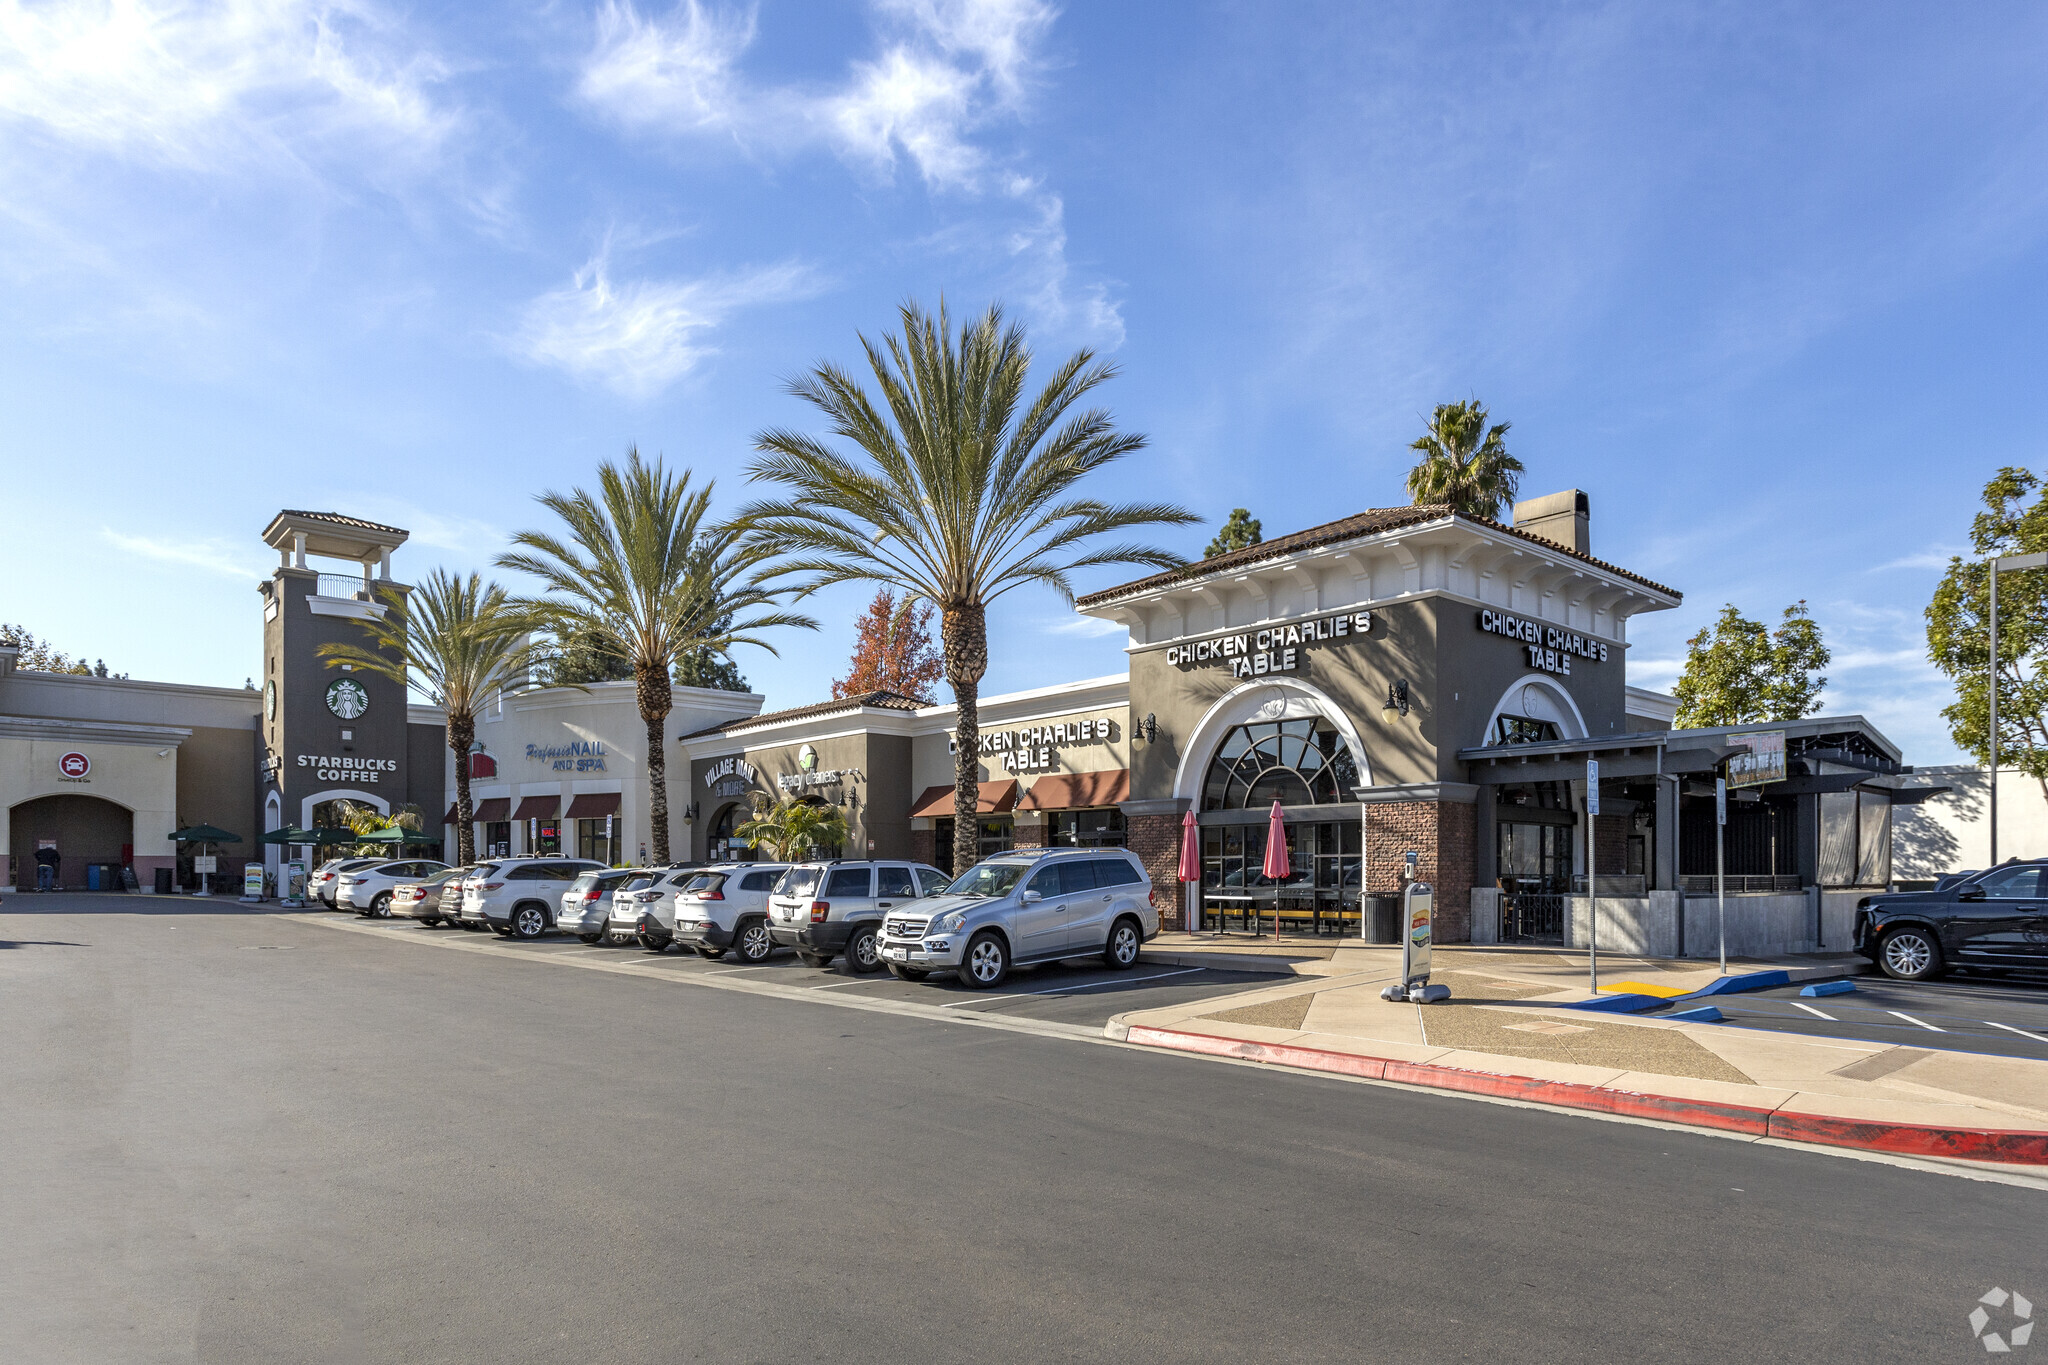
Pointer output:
x,y
1970,893
1030,898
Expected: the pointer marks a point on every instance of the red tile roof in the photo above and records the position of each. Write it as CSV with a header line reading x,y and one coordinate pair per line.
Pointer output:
x,y
885,701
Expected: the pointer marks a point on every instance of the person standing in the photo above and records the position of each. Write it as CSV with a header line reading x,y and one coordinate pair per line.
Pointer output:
x,y
48,860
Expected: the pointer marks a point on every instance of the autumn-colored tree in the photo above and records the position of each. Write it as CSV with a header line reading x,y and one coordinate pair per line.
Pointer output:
x,y
893,650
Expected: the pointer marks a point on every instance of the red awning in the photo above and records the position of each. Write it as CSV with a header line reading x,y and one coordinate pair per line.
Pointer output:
x,y
593,806
1072,791
995,798
539,808
449,818
492,809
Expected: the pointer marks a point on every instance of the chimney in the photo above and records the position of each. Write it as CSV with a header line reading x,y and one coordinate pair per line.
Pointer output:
x,y
1561,518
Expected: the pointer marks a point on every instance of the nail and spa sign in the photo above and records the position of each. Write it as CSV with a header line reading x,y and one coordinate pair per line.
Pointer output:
x,y
1274,649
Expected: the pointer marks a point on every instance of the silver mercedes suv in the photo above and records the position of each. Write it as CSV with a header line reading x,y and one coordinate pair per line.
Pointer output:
x,y
1031,905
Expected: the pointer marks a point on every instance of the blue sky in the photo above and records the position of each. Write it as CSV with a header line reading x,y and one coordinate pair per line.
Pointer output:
x,y
1766,281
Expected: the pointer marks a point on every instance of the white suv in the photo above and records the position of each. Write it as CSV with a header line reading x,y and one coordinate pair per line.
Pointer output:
x,y
725,907
647,909
587,904
520,897
322,884
1023,907
825,909
367,890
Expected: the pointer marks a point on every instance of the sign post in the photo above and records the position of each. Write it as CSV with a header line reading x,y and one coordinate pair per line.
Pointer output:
x,y
1720,867
252,882
1418,902
1592,876
294,883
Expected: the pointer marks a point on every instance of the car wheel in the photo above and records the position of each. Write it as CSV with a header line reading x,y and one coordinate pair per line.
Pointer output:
x,y
590,938
1909,954
529,921
713,953
986,961
381,907
752,942
652,944
815,959
1121,952
903,973
863,951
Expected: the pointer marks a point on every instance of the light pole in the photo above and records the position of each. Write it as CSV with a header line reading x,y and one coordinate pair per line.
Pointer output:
x,y
2007,564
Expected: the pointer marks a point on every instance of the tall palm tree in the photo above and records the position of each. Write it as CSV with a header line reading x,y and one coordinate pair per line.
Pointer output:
x,y
959,492
1465,464
641,569
458,640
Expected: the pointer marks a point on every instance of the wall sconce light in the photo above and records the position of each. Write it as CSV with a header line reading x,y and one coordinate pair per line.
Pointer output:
x,y
1147,729
690,813
1397,701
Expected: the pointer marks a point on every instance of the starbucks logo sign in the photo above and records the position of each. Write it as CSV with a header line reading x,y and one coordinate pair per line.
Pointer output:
x,y
347,698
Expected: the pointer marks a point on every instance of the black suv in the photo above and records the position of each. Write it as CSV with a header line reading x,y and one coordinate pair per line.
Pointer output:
x,y
1994,919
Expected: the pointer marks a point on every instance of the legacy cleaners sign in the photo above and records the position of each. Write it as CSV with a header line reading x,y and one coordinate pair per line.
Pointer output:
x,y
1550,649
1276,649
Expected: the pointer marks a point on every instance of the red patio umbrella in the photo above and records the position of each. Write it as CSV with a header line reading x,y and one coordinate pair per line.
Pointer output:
x,y
1277,867
1190,865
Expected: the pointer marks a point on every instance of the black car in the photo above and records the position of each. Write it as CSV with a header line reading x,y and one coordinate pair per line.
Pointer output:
x,y
1996,919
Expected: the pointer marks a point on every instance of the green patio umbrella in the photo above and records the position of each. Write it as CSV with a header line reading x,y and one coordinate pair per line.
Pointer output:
x,y
394,835
205,834
290,834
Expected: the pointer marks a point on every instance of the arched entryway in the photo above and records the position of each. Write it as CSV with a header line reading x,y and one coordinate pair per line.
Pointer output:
x,y
720,846
85,830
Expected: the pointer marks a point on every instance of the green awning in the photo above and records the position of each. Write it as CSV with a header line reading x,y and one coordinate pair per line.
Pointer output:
x,y
205,834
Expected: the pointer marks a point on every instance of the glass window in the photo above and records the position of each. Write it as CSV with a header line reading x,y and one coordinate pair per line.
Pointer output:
x,y
1295,762
987,879
1046,882
799,882
848,881
1078,876
2011,884
933,879
1115,872
1093,828
525,872
593,843
759,881
1522,730
894,881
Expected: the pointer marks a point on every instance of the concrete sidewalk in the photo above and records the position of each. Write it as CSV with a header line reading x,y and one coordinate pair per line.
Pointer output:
x,y
1509,1030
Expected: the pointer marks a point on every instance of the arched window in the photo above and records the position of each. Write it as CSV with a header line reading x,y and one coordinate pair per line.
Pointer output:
x,y
1295,762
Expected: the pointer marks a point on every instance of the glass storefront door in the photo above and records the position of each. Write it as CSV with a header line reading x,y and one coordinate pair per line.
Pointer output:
x,y
1320,896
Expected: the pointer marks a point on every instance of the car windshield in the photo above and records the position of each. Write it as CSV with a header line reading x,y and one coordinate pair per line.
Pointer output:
x,y
639,882
987,879
584,882
799,881
703,882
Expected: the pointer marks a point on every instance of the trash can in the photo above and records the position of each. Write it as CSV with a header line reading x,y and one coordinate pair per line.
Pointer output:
x,y
1382,919
163,881
92,877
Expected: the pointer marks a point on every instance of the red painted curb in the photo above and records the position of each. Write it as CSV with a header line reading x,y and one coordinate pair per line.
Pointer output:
x,y
1973,1144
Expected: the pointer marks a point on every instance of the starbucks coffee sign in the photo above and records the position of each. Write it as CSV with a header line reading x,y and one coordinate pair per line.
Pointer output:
x,y
347,698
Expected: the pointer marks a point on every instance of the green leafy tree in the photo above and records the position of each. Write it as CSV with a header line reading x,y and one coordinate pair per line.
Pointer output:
x,y
706,667
1959,635
37,657
458,641
791,829
1465,464
1737,672
581,658
961,489
1240,532
638,564
363,821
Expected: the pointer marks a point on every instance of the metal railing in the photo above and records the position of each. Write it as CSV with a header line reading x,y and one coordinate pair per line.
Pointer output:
x,y
1532,917
343,585
1742,886
1614,884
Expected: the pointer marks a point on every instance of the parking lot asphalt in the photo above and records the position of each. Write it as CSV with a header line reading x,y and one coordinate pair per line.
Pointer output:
x,y
1079,991
2002,1016
240,1137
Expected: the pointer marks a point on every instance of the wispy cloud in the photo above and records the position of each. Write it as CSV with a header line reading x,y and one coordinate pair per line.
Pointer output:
x,y
640,336
1934,557
1088,627
214,556
208,85
674,73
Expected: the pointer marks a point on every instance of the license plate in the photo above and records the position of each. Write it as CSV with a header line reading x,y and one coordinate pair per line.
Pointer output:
x,y
898,954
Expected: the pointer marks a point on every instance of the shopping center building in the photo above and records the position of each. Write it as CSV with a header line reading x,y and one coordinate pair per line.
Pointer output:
x,y
1403,681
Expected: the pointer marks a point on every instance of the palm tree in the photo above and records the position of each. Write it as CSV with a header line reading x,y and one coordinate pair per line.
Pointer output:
x,y
1465,464
642,570
364,821
959,493
791,828
458,640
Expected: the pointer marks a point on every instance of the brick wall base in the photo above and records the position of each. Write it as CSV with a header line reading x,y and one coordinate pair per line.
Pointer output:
x,y
1156,841
1442,833
1610,843
1027,836
924,847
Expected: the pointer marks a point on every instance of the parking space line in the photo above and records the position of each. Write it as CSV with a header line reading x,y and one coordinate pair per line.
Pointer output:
x,y
857,981
1911,1020
2020,1031
1063,990
1818,1014
735,971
